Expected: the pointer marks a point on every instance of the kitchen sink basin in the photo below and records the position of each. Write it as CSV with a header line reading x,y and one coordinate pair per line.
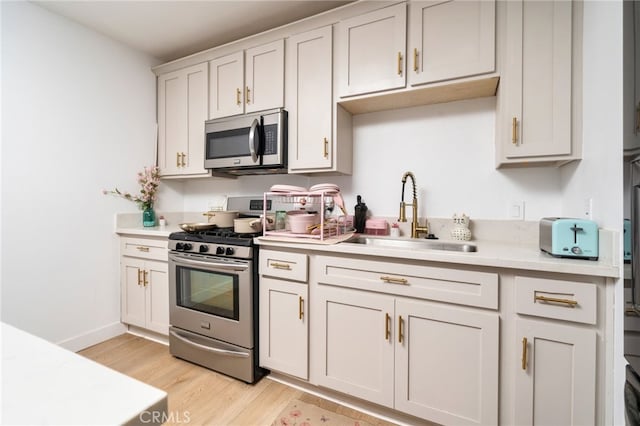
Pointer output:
x,y
414,244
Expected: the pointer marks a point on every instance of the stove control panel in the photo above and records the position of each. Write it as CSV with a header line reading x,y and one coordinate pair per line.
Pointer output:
x,y
211,249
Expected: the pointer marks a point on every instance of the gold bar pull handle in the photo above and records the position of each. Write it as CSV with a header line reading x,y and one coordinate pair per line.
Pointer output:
x,y
183,155
387,326
399,63
145,274
248,97
415,60
393,280
524,353
238,93
568,302
143,249
177,159
139,279
277,265
300,307
325,147
400,334
514,131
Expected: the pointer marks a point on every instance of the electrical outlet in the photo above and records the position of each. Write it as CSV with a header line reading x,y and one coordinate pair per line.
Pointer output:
x,y
515,210
588,208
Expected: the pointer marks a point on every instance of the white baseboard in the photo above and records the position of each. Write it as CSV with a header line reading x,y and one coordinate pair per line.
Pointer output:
x,y
147,334
93,337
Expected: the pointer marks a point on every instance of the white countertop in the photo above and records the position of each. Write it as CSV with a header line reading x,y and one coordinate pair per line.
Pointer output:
x,y
43,383
493,254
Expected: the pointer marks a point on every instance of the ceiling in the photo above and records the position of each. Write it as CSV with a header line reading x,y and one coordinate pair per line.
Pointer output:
x,y
169,30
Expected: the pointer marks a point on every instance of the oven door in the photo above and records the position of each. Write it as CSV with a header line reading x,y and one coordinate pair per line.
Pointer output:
x,y
212,296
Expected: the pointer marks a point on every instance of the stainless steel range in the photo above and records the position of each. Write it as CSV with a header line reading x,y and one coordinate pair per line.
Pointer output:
x,y
213,296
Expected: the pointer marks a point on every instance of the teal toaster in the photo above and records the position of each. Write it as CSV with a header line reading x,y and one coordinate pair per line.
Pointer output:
x,y
570,238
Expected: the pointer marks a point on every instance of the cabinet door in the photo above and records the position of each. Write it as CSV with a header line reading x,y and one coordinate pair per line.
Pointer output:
x,y
371,50
226,95
156,283
631,74
556,378
441,347
182,110
450,39
265,77
133,298
308,100
536,87
284,327
356,354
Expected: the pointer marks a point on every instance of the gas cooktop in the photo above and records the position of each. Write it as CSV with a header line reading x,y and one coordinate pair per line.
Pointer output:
x,y
216,236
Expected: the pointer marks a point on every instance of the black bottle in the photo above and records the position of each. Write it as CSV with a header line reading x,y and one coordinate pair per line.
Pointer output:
x,y
360,217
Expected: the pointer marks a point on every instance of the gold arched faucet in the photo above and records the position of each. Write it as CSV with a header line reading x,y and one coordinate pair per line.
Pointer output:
x,y
415,228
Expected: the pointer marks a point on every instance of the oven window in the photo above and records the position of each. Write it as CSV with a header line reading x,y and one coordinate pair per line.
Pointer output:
x,y
210,292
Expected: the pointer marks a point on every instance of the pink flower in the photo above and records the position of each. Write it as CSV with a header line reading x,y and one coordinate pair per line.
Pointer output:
x,y
295,413
149,180
284,421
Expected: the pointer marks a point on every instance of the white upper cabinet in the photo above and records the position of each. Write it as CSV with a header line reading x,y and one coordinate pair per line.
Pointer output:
x,y
371,51
182,111
309,100
247,81
536,93
450,39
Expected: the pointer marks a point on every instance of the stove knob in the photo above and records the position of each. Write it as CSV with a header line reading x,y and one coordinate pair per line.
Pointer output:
x,y
187,246
204,248
220,250
179,246
229,251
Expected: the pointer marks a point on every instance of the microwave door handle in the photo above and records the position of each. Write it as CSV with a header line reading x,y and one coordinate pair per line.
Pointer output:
x,y
253,133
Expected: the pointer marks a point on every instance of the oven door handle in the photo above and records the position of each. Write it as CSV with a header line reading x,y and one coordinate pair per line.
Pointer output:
x,y
207,348
210,264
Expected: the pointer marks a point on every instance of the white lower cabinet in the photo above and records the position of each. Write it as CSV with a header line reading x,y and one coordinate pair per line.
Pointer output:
x,y
284,319
145,284
405,353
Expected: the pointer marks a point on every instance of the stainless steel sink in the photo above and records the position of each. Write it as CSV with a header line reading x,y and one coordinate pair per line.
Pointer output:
x,y
414,244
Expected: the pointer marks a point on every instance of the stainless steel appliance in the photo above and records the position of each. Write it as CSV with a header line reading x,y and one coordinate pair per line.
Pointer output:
x,y
247,144
632,304
213,296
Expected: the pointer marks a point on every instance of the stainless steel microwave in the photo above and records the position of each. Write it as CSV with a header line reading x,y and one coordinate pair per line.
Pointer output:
x,y
247,144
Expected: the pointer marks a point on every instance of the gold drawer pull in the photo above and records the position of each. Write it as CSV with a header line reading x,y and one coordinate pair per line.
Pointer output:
x,y
514,131
325,148
399,63
284,266
400,335
387,326
393,280
568,302
524,353
300,307
238,93
142,248
248,98
140,279
145,274
415,60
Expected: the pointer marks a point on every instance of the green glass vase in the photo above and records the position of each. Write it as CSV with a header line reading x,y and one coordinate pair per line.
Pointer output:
x,y
148,217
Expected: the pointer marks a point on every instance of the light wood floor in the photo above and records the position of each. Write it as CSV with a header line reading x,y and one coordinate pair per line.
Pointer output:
x,y
202,396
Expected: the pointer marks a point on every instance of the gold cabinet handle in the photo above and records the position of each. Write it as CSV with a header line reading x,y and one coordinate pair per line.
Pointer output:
x,y
238,93
387,326
568,302
399,63
145,274
393,280
183,155
177,159
415,60
300,307
400,335
143,249
524,353
277,265
248,98
139,279
514,131
325,148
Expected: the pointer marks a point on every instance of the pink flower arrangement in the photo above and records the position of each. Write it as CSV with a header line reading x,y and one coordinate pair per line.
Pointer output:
x,y
149,179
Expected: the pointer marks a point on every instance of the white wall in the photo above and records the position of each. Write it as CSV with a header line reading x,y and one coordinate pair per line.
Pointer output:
x,y
450,149
78,115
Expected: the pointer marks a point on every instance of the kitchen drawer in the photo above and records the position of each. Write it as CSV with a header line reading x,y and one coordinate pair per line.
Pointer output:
x,y
282,264
459,286
565,300
146,248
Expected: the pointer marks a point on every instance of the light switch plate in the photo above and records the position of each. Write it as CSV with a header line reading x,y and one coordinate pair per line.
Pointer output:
x,y
515,210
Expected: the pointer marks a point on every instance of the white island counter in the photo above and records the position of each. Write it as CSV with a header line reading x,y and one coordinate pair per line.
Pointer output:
x,y
44,384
